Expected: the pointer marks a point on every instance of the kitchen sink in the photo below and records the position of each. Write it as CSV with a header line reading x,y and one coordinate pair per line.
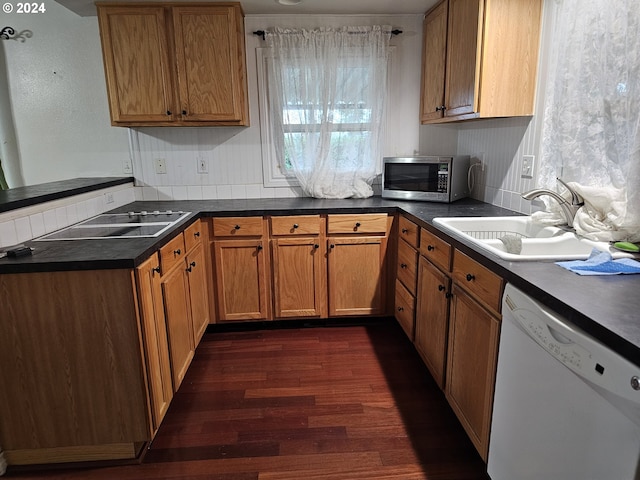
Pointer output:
x,y
519,238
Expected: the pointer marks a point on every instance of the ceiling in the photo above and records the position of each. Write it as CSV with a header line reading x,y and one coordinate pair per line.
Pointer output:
x,y
86,8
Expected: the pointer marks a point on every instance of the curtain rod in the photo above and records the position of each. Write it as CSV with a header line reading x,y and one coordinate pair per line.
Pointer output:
x,y
263,33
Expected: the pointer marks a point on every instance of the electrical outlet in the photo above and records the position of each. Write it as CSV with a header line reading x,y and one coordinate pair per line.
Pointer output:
x,y
528,162
108,198
479,159
202,164
126,166
161,165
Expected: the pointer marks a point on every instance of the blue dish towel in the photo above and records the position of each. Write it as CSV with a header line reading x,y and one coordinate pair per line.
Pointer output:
x,y
601,263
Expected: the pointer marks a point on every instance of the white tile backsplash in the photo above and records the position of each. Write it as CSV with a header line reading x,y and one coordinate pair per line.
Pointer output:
x,y
224,191
37,225
238,192
179,192
8,234
253,191
61,217
23,229
165,193
50,223
209,192
194,192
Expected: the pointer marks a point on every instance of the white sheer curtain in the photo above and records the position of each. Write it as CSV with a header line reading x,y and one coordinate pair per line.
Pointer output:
x,y
327,90
591,132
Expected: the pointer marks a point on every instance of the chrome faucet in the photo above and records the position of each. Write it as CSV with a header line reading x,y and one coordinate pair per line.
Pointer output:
x,y
568,209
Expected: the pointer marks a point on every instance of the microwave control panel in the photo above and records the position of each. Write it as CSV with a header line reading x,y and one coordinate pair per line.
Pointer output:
x,y
443,177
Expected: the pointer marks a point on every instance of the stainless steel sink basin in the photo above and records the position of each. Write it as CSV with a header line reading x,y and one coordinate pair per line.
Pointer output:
x,y
538,242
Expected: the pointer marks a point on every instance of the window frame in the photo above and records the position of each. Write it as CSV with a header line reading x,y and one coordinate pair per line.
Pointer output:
x,y
271,172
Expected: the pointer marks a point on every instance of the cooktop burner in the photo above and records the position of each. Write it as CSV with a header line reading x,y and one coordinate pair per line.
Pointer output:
x,y
134,217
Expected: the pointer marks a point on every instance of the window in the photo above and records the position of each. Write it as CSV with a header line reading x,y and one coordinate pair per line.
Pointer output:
x,y
321,119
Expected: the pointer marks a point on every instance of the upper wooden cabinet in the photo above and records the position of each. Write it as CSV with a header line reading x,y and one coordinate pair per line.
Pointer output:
x,y
174,64
487,66
434,57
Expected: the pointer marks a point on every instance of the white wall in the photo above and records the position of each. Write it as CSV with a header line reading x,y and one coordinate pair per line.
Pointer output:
x,y
58,96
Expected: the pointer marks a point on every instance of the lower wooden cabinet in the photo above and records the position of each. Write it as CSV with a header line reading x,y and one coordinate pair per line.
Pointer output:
x,y
457,329
299,277
432,318
175,290
471,366
197,277
154,335
241,280
185,293
357,281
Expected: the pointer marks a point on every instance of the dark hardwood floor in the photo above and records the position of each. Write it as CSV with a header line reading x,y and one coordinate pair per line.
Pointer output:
x,y
331,403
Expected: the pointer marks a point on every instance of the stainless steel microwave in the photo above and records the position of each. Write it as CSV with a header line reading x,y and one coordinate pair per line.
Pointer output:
x,y
428,178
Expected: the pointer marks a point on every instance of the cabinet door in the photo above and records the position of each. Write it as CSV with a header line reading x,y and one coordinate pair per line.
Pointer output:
x,y
463,65
432,318
136,61
357,282
176,306
299,277
471,367
154,331
210,62
433,63
241,280
198,292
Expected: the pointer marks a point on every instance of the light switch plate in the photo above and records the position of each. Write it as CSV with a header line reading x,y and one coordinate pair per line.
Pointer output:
x,y
528,162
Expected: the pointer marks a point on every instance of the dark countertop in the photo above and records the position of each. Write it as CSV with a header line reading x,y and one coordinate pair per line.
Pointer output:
x,y
607,307
32,195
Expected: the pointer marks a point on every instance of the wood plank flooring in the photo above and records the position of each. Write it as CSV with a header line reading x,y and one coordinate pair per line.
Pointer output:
x,y
322,403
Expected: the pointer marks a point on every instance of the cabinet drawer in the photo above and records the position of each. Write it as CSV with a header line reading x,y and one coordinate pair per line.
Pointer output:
x,y
193,235
407,265
405,309
435,249
478,280
409,232
237,227
295,225
362,223
172,253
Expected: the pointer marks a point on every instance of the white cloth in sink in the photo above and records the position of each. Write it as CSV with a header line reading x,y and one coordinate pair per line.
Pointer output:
x,y
601,218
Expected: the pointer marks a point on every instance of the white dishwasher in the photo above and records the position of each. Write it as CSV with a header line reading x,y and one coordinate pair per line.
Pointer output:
x,y
566,407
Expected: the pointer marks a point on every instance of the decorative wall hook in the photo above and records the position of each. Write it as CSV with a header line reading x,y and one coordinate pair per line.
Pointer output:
x,y
8,33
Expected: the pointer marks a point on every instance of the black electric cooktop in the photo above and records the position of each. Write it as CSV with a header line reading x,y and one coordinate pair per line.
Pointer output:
x,y
119,225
